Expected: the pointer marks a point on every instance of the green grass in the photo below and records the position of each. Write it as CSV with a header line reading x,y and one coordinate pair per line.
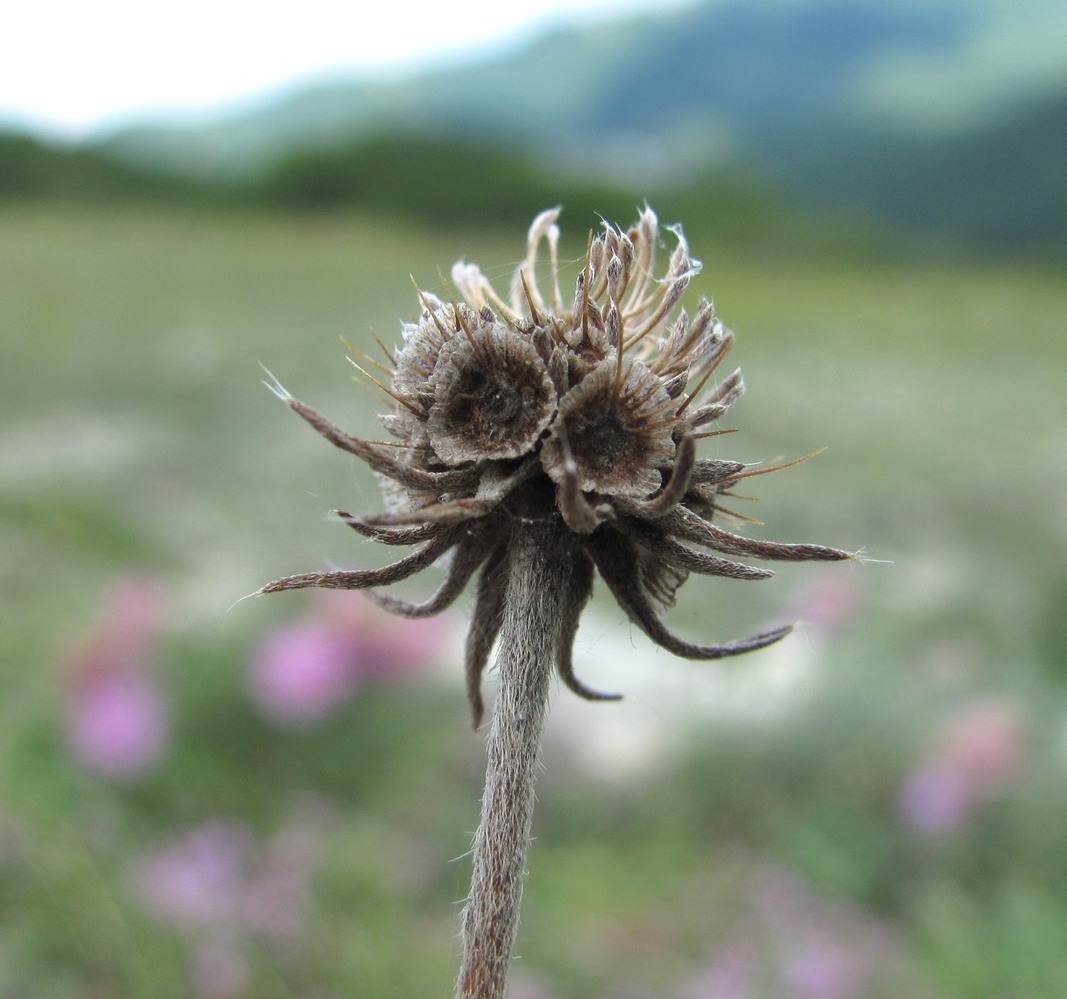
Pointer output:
x,y
135,435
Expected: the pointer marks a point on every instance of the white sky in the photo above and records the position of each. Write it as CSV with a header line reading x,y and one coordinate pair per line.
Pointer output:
x,y
69,66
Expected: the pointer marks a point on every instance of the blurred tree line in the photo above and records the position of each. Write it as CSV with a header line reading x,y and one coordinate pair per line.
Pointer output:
x,y
433,180
33,169
987,194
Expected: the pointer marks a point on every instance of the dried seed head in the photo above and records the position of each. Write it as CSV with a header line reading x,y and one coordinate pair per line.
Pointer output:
x,y
617,430
584,417
493,397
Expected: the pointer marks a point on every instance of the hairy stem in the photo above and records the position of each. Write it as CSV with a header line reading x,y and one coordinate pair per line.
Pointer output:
x,y
541,559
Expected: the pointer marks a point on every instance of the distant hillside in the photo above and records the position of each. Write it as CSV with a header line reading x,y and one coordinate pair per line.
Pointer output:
x,y
693,83
1001,188
760,68
31,168
934,118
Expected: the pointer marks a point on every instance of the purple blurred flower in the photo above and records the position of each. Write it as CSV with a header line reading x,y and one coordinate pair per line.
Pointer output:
x,y
305,671
795,944
986,741
116,715
220,888
219,970
217,878
522,985
822,967
277,895
981,747
935,799
118,726
197,881
727,976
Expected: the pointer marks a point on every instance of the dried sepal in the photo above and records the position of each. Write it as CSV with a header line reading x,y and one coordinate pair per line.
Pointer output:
x,y
619,565
662,547
467,556
390,535
580,589
689,526
485,625
381,459
360,579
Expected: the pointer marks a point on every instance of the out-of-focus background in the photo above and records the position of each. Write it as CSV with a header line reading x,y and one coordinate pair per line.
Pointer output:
x,y
274,798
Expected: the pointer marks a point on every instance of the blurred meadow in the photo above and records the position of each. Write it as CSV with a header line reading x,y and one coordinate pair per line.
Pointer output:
x,y
214,797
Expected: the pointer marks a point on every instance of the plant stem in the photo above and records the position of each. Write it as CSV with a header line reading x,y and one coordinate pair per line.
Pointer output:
x,y
541,557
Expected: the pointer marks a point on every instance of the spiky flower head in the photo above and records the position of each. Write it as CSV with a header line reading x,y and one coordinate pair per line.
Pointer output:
x,y
584,411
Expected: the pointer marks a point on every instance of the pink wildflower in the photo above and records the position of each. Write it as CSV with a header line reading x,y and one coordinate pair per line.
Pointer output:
x,y
307,670
303,672
796,944
219,970
197,881
116,714
221,890
986,741
981,748
118,726
936,799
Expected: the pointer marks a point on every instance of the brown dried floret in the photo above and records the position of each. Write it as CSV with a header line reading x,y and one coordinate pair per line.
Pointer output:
x,y
618,426
493,397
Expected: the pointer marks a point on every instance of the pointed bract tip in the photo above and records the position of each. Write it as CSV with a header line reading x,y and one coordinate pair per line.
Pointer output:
x,y
275,386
